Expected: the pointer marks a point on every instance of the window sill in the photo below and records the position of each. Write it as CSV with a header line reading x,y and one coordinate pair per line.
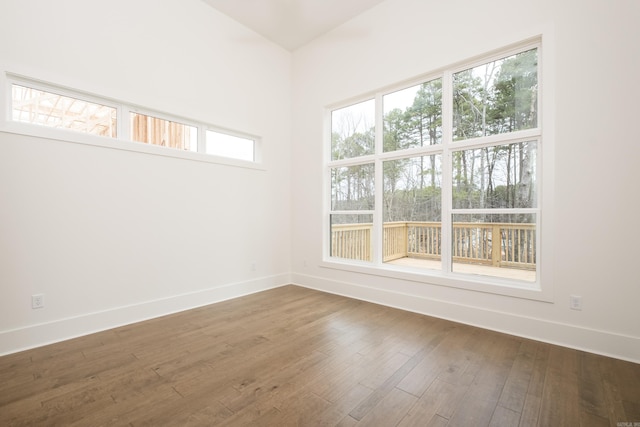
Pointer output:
x,y
484,284
118,144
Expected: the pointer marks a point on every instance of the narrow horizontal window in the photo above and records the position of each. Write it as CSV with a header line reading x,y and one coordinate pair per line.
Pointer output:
x,y
156,131
234,147
40,107
50,108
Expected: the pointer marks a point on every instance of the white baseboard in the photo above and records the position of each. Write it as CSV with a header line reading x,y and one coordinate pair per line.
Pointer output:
x,y
15,340
605,343
595,341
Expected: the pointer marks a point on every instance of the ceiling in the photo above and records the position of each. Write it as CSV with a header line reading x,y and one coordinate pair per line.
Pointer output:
x,y
292,23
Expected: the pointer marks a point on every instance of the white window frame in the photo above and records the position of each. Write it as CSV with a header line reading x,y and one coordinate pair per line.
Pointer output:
x,y
127,112
11,79
445,277
123,140
256,145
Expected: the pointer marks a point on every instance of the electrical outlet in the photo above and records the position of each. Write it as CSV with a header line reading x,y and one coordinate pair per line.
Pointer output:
x,y
575,302
253,266
37,301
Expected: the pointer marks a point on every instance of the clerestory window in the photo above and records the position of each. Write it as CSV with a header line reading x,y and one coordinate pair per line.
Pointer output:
x,y
442,176
47,106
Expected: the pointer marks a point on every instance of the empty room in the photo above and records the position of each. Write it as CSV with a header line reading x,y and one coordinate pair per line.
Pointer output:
x,y
319,212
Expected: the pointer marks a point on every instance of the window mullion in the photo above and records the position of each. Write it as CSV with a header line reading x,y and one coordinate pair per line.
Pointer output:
x,y
6,104
447,179
378,220
123,127
202,139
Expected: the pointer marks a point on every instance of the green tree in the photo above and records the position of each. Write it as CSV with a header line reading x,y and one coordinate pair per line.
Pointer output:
x,y
424,122
514,100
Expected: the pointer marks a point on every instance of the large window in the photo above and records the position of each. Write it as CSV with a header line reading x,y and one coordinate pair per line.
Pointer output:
x,y
441,176
48,106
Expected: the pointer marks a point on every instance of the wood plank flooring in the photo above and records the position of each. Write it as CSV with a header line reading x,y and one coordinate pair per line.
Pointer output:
x,y
298,357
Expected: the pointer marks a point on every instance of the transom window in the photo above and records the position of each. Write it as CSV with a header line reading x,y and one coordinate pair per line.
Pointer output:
x,y
232,146
165,133
441,176
48,106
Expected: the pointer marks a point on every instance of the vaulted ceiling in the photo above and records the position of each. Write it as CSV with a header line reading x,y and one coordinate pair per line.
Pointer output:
x,y
292,23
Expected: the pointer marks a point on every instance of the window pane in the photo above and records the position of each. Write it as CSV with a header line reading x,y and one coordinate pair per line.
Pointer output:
x,y
351,236
353,131
235,147
50,109
502,176
412,211
498,245
413,116
497,97
155,131
352,187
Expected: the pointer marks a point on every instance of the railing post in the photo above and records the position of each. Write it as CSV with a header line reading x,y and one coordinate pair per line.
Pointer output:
x,y
405,239
496,245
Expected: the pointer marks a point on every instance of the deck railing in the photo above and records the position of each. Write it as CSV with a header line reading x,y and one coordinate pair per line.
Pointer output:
x,y
495,244
352,241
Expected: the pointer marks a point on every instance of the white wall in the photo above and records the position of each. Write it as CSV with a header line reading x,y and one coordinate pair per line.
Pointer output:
x,y
590,54
112,236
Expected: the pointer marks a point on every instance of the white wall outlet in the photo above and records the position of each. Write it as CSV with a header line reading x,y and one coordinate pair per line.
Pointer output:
x,y
253,266
37,301
575,302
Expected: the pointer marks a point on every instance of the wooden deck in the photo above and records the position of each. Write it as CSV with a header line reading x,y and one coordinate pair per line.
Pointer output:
x,y
296,357
458,267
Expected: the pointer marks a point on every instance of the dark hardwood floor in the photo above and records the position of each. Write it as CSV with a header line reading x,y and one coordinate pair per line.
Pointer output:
x,y
297,357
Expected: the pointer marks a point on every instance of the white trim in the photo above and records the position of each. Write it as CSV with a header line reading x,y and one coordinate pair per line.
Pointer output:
x,y
377,232
476,283
6,103
256,142
117,144
534,42
135,109
515,137
20,80
123,125
326,185
497,211
606,343
447,175
352,212
12,341
352,161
